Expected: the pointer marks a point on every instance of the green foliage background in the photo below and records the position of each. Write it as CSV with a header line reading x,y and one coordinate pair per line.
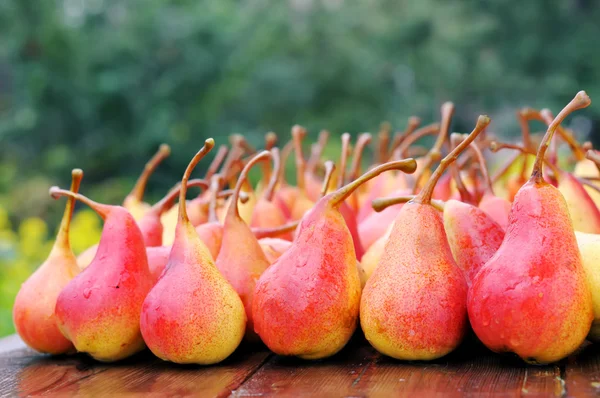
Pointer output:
x,y
99,84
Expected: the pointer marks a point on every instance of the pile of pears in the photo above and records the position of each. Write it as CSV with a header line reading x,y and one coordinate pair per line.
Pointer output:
x,y
420,249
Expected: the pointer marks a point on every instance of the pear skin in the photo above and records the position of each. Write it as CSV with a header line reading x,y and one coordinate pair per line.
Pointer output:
x,y
532,297
474,237
192,314
306,304
99,310
589,247
33,311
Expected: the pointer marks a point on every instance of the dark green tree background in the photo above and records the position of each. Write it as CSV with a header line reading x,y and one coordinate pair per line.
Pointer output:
x,y
98,84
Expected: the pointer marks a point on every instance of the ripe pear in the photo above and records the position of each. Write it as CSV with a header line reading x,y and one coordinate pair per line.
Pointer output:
x,y
413,306
241,260
99,310
192,314
589,247
532,297
33,311
306,304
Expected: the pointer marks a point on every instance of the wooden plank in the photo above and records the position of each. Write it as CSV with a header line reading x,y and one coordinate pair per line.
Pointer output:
x,y
360,371
332,377
582,373
149,376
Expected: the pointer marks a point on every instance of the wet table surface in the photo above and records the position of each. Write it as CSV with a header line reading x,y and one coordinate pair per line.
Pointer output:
x,y
357,371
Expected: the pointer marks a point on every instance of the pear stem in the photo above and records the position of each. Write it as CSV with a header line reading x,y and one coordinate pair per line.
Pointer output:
x,y
140,186
329,169
233,210
343,159
298,134
381,204
363,140
424,131
169,199
317,151
216,163
465,195
594,156
227,171
424,197
413,123
525,131
99,208
260,233
270,141
240,141
383,142
406,165
434,154
579,153
489,188
215,185
208,145
581,100
285,154
496,146
62,239
270,190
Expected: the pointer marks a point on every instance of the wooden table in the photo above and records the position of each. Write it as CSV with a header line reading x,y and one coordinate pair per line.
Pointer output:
x,y
358,371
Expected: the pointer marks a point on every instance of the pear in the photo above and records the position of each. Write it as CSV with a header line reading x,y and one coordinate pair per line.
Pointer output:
x,y
473,236
33,311
99,310
306,304
531,297
589,247
241,260
413,306
192,314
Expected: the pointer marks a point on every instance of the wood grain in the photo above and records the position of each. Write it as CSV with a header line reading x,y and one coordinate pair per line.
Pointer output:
x,y
360,371
293,377
582,373
149,376
357,371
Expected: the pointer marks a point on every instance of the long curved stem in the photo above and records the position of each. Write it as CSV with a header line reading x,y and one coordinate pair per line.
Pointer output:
x,y
383,142
580,101
102,209
317,151
381,204
407,166
424,131
434,153
216,163
343,159
137,192
413,123
208,145
363,140
62,239
270,189
329,169
298,134
496,146
424,196
275,231
233,210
